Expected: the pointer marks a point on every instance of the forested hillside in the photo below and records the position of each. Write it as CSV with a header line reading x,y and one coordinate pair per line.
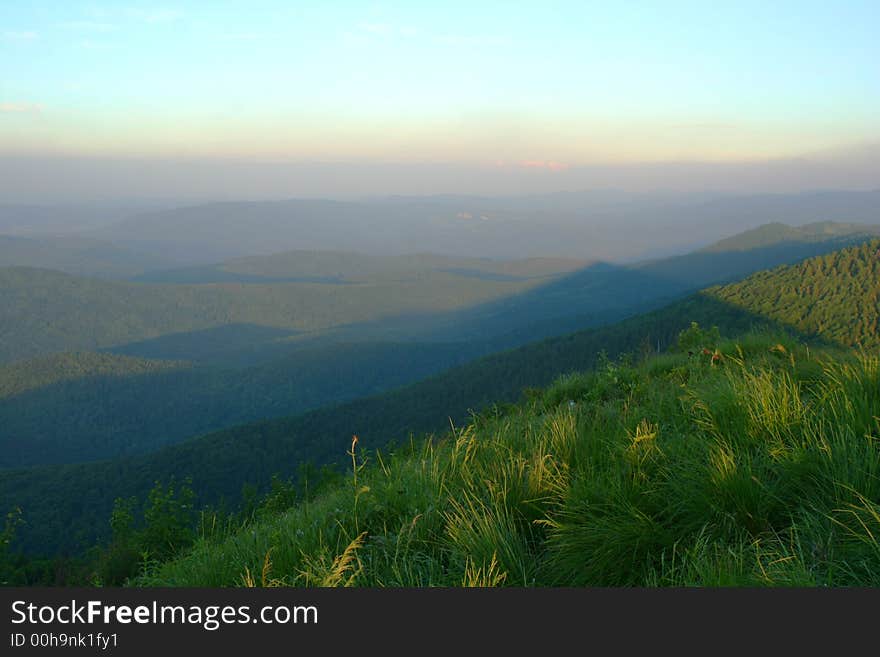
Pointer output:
x,y
774,233
46,311
231,373
744,467
77,255
77,497
364,297
66,506
836,296
79,407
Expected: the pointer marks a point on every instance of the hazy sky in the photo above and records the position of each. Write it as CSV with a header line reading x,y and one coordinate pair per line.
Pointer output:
x,y
518,87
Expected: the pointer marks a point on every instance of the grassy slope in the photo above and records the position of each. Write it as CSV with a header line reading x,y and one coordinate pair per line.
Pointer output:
x,y
762,469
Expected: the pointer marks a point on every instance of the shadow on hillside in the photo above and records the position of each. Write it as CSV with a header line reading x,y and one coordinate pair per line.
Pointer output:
x,y
211,274
340,364
214,345
592,296
67,507
327,367
119,414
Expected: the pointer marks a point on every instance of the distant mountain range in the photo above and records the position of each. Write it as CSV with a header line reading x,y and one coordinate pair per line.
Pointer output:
x,y
606,225
79,256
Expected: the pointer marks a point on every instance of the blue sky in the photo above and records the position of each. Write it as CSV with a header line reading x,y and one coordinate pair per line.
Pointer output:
x,y
544,84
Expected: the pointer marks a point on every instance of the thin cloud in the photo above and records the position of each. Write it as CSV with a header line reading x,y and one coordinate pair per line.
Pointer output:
x,y
20,36
469,41
20,108
87,26
549,165
154,15
375,28
107,15
388,30
88,44
243,36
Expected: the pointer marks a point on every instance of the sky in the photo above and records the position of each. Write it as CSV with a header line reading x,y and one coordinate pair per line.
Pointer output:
x,y
540,94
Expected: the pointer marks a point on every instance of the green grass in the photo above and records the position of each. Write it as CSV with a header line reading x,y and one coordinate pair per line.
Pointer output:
x,y
762,469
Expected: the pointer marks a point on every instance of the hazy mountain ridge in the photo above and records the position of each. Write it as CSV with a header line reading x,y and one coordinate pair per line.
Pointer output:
x,y
350,267
234,373
78,256
47,311
780,232
599,224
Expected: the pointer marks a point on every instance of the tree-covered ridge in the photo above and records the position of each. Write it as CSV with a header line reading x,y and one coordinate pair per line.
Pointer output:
x,y
746,465
776,232
71,408
398,298
64,506
243,372
21,377
358,267
44,311
76,255
836,296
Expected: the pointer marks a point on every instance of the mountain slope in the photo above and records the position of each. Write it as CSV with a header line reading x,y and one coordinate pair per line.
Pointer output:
x,y
332,266
44,311
80,496
235,373
602,293
77,256
66,506
836,296
592,224
749,469
774,233
71,408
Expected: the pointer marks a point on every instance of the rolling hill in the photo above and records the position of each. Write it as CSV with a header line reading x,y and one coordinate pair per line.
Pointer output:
x,y
45,311
609,224
76,407
235,373
78,256
363,297
836,296
723,463
65,504
746,468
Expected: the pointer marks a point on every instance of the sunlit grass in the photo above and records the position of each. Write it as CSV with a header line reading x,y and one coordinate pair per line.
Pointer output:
x,y
757,468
